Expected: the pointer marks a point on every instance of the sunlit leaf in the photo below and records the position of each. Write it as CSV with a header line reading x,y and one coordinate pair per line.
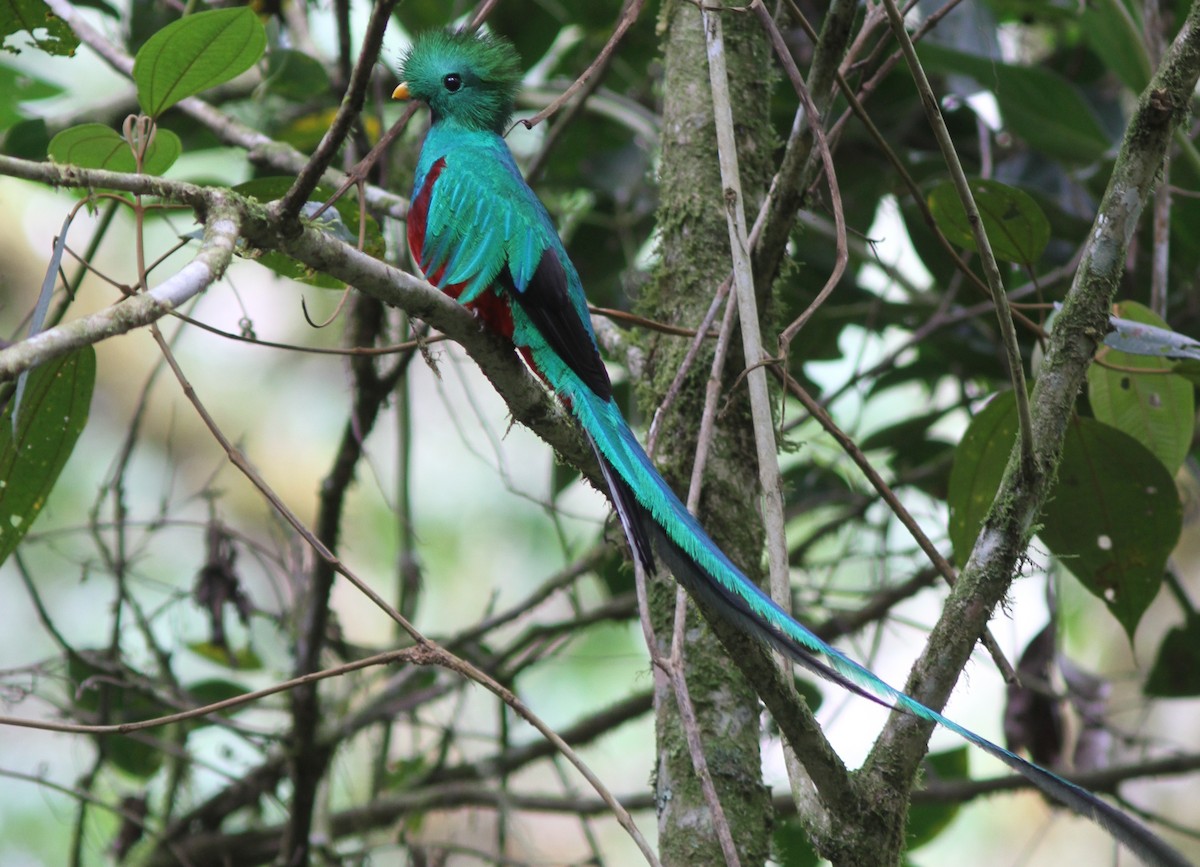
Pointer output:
x,y
42,28
1016,228
96,146
195,53
52,415
305,132
241,659
1156,407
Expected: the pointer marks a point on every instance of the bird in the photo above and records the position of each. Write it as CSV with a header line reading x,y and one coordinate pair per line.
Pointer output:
x,y
479,233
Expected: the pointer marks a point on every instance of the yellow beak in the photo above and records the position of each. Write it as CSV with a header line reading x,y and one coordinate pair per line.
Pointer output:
x,y
401,91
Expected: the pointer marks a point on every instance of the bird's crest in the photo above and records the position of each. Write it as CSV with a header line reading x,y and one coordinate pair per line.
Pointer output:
x,y
465,77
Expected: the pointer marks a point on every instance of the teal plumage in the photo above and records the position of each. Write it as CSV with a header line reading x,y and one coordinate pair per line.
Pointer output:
x,y
480,233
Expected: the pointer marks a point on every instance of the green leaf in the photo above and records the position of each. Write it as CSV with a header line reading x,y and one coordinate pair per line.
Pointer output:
x,y
1157,408
213,690
243,659
979,464
295,76
195,53
400,774
1038,105
54,410
96,146
790,845
17,87
1016,227
927,821
1176,671
1109,30
33,17
104,691
1113,517
1189,370
614,572
27,139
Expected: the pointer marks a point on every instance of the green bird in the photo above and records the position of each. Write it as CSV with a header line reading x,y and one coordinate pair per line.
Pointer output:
x,y
478,232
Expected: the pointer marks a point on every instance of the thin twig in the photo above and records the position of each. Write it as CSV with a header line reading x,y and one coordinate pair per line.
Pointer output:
x,y
628,16
816,125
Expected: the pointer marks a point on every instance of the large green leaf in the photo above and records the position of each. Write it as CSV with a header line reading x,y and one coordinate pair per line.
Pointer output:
x,y
1038,105
1157,407
195,53
296,76
44,29
978,468
53,412
96,146
1016,227
1112,33
1113,517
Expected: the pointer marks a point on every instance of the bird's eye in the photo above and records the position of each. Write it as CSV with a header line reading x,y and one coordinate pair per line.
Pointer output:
x,y
452,82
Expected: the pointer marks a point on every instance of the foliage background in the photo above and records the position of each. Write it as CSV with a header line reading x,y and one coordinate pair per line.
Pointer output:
x,y
493,515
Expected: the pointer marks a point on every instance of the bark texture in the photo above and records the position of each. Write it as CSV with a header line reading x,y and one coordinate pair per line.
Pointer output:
x,y
695,261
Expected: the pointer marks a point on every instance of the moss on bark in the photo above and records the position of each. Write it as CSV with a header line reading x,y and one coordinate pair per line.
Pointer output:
x,y
695,260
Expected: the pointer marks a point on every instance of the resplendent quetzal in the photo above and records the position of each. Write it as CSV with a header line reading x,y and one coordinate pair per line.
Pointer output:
x,y
479,232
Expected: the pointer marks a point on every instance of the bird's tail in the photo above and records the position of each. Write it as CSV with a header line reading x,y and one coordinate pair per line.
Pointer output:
x,y
654,519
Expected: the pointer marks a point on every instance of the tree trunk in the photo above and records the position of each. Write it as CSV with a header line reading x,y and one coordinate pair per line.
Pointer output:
x,y
695,261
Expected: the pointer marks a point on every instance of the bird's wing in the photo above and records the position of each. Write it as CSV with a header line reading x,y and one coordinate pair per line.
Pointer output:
x,y
485,227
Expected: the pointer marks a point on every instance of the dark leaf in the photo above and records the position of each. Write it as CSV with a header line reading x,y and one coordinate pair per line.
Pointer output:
x,y
1112,518
1176,671
1016,228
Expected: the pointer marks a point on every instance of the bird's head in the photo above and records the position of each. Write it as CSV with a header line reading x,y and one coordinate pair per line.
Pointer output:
x,y
465,77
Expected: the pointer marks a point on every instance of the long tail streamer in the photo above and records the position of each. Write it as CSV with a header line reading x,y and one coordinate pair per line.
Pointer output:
x,y
654,518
